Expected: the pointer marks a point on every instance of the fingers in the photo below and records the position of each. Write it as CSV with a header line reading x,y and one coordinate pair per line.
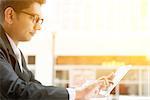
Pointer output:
x,y
102,83
95,86
105,80
110,76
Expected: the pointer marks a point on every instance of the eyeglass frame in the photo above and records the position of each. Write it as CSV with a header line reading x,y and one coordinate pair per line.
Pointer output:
x,y
35,21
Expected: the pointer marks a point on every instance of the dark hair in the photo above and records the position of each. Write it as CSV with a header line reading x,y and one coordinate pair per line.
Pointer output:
x,y
16,4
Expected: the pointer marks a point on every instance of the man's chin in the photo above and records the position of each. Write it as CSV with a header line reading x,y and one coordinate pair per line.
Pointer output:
x,y
26,40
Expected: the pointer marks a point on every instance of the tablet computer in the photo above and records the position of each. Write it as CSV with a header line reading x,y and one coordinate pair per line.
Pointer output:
x,y
119,74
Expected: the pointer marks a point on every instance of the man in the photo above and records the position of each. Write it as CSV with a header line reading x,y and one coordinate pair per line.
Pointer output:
x,y
19,21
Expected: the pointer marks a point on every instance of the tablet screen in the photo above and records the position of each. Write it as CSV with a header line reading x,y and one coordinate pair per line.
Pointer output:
x,y
119,74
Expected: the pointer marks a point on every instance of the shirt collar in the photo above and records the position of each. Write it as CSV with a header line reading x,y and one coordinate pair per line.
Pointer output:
x,y
13,45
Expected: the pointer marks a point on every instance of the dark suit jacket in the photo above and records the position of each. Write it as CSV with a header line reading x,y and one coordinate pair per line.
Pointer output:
x,y
15,85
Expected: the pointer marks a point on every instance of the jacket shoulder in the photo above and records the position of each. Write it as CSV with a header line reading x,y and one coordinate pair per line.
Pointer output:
x,y
3,51
2,44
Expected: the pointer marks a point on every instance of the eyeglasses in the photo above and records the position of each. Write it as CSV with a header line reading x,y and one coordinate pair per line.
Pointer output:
x,y
36,18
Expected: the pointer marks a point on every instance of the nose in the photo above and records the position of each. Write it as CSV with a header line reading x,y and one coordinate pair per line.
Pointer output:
x,y
37,26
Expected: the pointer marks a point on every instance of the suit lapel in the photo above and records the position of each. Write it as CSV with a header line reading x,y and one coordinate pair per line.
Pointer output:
x,y
8,47
6,41
14,62
26,74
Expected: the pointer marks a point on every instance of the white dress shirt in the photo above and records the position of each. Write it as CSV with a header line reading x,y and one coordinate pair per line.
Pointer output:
x,y
72,93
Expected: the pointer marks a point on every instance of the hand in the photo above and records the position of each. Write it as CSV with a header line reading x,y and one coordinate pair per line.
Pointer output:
x,y
106,81
84,92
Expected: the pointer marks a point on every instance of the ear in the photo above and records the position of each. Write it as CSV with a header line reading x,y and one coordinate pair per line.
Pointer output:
x,y
9,15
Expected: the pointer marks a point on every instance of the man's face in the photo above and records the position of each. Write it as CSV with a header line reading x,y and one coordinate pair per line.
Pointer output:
x,y
25,24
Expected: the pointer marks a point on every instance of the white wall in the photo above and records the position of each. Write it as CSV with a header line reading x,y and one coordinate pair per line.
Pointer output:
x,y
127,43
